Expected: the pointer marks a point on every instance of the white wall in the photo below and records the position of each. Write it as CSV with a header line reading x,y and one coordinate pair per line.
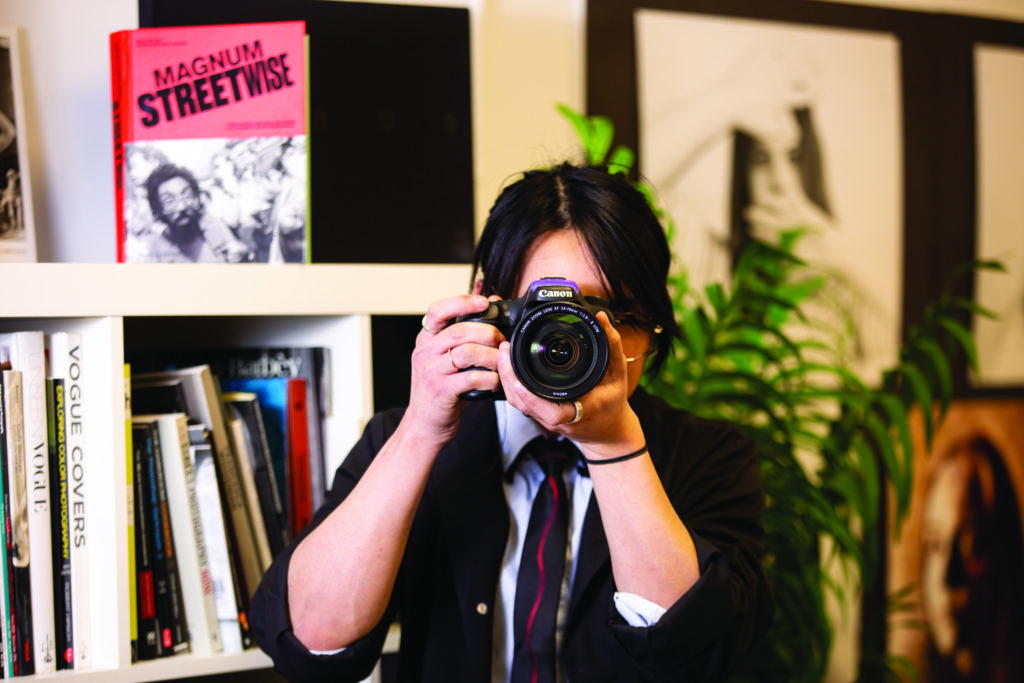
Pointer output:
x,y
66,65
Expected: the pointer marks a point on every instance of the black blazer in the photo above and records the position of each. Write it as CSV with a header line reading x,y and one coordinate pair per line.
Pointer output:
x,y
446,588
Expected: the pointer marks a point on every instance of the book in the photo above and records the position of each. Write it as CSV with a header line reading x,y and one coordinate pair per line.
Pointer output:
x,y
133,585
17,225
300,485
6,653
241,444
268,494
311,363
210,151
232,605
150,645
187,531
203,404
272,395
27,354
282,402
61,529
66,359
170,609
155,396
19,578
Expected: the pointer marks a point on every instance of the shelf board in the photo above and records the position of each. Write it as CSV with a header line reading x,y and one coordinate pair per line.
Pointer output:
x,y
170,668
118,289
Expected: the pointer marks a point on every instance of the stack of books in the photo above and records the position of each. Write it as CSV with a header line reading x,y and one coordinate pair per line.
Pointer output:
x,y
224,466
225,463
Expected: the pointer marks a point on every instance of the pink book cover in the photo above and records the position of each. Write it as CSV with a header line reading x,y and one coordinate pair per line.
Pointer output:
x,y
210,143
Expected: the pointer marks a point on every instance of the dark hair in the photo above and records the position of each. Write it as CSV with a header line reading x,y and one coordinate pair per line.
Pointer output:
x,y
614,220
993,618
994,502
160,175
810,165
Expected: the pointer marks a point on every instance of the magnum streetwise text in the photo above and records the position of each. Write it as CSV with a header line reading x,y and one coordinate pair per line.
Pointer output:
x,y
216,80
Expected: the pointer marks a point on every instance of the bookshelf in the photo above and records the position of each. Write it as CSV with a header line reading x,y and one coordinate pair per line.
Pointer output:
x,y
139,307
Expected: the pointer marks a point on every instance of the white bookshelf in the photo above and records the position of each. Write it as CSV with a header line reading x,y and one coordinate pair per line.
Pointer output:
x,y
200,305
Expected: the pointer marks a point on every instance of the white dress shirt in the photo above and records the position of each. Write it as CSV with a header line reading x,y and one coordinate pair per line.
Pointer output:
x,y
515,430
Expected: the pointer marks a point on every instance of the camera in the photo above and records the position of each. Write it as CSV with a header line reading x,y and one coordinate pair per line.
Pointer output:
x,y
559,350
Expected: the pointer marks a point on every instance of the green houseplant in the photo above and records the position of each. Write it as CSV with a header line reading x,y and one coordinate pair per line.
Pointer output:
x,y
754,352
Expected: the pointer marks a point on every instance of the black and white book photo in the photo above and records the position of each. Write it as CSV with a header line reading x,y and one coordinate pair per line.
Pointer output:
x,y
17,227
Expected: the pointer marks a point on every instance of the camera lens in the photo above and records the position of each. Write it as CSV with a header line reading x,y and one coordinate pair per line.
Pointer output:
x,y
560,352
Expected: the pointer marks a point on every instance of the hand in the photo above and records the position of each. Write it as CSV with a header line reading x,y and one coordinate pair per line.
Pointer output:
x,y
607,419
443,350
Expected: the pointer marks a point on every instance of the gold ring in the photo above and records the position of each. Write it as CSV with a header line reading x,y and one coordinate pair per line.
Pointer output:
x,y
452,360
579,413
423,324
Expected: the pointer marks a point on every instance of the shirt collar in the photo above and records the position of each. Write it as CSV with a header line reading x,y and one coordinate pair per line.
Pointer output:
x,y
515,430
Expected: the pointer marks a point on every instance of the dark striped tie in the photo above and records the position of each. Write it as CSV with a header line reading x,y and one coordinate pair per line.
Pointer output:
x,y
541,569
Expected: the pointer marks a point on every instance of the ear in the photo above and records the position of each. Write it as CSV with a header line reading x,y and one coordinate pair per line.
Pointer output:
x,y
478,286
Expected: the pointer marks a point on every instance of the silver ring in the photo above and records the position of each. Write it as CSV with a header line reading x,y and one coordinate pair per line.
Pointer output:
x,y
579,413
452,360
423,324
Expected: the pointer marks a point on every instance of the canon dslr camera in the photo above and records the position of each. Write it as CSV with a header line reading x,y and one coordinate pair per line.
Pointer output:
x,y
558,348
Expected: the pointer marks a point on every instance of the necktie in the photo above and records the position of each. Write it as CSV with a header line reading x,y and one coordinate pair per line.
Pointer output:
x,y
541,568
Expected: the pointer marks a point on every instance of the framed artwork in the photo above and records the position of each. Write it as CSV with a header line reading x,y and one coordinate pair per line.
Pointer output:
x,y
960,554
930,129
17,226
999,74
748,127
944,165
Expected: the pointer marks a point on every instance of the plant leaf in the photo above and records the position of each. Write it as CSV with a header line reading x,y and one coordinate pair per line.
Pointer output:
x,y
963,336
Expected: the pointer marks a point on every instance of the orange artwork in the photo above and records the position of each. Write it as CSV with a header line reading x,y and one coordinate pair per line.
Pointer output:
x,y
960,554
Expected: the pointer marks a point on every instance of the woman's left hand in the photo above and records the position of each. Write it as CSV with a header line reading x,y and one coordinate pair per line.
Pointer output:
x,y
606,418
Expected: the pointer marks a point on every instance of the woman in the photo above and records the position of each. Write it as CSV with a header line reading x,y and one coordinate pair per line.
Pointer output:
x,y
972,558
777,184
427,516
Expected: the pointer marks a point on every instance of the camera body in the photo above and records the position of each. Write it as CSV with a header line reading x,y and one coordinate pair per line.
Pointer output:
x,y
559,350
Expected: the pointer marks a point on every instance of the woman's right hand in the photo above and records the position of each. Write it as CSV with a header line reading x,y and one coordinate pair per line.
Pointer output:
x,y
443,349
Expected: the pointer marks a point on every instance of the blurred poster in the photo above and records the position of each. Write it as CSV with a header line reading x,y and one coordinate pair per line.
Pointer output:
x,y
17,226
999,81
960,556
750,127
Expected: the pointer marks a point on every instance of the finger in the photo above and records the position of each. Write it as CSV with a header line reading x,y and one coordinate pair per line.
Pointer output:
x,y
442,312
612,332
468,380
549,413
616,357
475,355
